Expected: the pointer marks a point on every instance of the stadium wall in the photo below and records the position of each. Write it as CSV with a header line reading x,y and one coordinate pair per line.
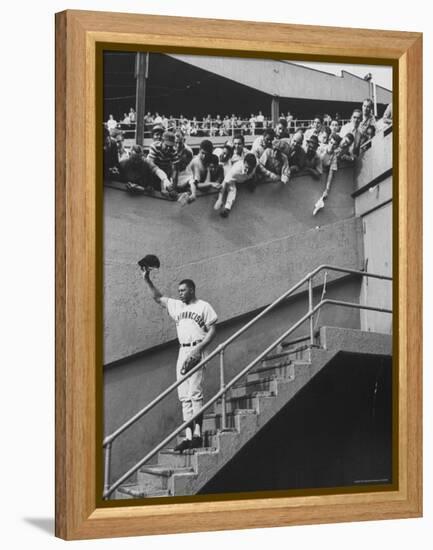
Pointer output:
x,y
240,265
373,205
269,242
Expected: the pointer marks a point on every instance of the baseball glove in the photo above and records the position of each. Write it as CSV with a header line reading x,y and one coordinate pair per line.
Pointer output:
x,y
190,362
149,262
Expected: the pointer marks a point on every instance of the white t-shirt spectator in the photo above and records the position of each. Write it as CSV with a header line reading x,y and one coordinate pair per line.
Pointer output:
x,y
111,124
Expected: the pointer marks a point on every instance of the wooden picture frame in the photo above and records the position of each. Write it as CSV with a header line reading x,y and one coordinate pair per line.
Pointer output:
x,y
78,270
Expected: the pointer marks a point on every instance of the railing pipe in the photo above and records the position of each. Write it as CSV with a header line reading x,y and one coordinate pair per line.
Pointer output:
x,y
355,305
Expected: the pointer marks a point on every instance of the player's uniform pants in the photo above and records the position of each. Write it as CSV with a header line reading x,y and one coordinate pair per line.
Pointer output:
x,y
190,392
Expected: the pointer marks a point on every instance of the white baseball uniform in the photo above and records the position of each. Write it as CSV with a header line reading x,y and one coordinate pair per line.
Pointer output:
x,y
193,321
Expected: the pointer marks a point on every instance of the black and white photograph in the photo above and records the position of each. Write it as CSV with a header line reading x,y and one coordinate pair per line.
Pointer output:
x,y
247,276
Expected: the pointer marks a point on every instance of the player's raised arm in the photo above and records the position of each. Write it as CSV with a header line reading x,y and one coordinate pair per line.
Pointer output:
x,y
156,294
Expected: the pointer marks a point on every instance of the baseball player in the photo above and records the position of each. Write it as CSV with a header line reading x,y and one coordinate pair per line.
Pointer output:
x,y
195,324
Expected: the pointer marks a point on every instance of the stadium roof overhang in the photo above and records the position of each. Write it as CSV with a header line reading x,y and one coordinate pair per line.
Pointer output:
x,y
288,80
200,85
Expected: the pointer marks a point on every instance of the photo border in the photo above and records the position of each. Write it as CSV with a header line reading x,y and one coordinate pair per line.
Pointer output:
x,y
80,39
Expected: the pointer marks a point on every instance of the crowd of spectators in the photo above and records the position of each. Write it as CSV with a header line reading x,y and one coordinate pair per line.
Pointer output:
x,y
208,126
276,155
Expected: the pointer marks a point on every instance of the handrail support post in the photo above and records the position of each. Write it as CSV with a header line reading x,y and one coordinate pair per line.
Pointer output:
x,y
107,469
310,310
223,396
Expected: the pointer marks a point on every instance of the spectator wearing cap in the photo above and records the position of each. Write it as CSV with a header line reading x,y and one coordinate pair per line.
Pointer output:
x,y
368,118
263,142
352,127
296,154
157,132
241,172
276,161
163,158
313,162
239,149
136,172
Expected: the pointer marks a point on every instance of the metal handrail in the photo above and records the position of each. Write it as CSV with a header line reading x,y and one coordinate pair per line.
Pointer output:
x,y
107,443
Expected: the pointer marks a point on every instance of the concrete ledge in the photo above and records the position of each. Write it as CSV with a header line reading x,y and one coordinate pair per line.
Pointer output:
x,y
374,163
356,341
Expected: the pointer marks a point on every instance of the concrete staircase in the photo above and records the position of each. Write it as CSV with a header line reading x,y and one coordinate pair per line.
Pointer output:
x,y
250,406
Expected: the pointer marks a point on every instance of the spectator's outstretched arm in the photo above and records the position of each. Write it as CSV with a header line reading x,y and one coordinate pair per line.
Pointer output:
x,y
266,174
157,170
329,181
285,171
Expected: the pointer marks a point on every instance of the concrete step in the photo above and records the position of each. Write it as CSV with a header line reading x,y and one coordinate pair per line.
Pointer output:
x,y
299,351
250,401
213,420
188,459
136,491
285,371
209,437
249,387
300,367
155,478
